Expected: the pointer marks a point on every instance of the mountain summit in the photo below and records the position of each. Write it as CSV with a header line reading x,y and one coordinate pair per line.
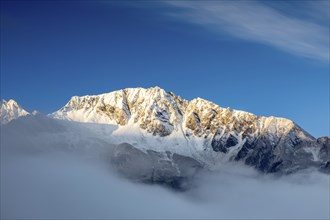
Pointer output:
x,y
157,119
10,110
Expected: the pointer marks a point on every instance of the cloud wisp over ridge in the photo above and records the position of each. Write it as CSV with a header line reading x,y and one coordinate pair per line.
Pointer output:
x,y
305,35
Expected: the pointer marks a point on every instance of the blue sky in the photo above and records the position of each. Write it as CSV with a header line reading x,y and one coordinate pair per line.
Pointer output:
x,y
268,58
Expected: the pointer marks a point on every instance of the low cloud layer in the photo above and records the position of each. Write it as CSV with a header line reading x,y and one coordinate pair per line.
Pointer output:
x,y
59,185
44,176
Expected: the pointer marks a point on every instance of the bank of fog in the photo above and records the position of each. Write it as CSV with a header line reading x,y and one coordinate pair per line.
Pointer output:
x,y
40,181
58,185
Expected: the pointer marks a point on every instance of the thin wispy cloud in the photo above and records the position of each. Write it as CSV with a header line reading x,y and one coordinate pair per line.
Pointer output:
x,y
306,35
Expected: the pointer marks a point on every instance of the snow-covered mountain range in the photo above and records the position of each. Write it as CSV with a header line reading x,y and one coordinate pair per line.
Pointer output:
x,y
161,129
155,119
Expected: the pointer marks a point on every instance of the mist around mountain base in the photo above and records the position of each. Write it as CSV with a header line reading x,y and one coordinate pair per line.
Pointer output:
x,y
44,175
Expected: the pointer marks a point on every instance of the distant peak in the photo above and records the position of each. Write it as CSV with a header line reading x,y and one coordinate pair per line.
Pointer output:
x,y
157,89
201,101
154,88
10,102
35,112
10,110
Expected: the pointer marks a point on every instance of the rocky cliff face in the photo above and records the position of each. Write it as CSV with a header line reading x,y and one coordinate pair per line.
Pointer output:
x,y
154,110
324,153
154,167
211,132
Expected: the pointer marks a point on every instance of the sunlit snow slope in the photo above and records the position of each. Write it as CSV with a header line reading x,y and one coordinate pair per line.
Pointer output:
x,y
159,120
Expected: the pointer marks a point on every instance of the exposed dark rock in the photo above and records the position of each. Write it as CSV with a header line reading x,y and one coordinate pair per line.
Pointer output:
x,y
231,141
131,162
325,149
324,154
242,153
247,146
275,167
173,170
261,157
218,145
221,144
188,166
325,167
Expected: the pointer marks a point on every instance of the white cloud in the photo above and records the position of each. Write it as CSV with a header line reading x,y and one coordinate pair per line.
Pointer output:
x,y
60,186
261,23
54,169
